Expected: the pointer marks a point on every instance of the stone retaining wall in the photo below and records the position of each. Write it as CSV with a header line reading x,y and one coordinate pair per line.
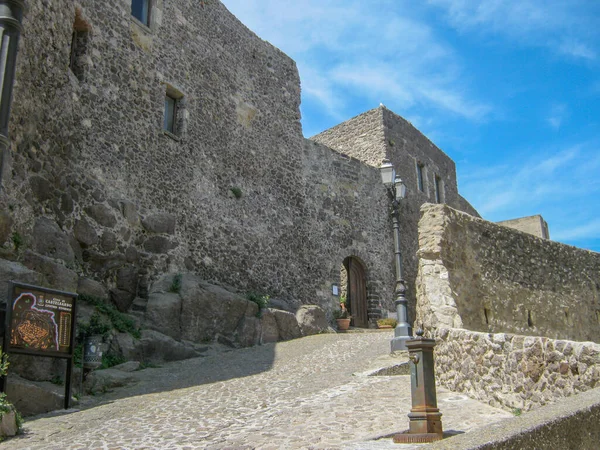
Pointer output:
x,y
514,371
481,276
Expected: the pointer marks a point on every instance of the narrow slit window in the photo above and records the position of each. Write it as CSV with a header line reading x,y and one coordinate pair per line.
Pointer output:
x,y
420,183
140,9
170,118
438,190
79,45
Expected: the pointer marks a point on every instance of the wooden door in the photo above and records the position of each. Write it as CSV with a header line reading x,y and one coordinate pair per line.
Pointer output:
x,y
357,293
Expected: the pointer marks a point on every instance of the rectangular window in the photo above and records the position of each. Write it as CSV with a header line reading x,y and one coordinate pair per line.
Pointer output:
x,y
438,190
170,118
420,183
140,9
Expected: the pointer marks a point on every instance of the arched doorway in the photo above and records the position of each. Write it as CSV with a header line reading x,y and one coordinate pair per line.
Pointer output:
x,y
354,286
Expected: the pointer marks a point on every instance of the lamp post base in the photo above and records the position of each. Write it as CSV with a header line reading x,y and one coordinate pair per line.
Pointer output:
x,y
399,343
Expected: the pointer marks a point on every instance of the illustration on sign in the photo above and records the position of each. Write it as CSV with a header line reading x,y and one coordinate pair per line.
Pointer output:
x,y
41,321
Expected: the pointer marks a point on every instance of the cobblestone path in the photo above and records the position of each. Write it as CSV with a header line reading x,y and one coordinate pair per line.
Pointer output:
x,y
304,393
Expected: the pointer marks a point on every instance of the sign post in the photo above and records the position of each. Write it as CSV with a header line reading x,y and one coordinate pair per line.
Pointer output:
x,y
41,322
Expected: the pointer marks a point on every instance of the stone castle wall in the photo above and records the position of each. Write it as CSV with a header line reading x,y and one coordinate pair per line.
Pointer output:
x,y
379,134
535,225
514,372
485,277
120,200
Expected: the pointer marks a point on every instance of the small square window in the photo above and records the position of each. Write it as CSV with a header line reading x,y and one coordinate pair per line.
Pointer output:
x,y
140,9
420,183
170,118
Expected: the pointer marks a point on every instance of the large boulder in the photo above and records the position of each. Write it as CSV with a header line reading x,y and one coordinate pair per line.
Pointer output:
x,y
121,299
153,347
269,328
57,276
91,288
312,320
49,240
208,310
163,313
103,380
32,398
287,325
14,271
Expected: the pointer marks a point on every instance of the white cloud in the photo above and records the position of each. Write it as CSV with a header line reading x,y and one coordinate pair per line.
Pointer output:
x,y
568,27
374,50
590,230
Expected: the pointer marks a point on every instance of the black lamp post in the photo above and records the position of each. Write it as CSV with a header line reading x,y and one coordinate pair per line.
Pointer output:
x,y
11,15
397,191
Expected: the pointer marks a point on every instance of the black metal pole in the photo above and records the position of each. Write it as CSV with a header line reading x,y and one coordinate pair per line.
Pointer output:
x,y
403,330
11,16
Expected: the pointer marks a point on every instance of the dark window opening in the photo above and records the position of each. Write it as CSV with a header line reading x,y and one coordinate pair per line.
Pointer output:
x,y
529,321
170,118
486,313
420,183
140,9
438,190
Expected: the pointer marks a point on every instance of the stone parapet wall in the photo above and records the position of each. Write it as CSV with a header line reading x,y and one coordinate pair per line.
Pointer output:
x,y
512,371
481,276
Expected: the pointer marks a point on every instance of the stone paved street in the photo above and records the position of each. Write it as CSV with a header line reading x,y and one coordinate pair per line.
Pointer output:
x,y
306,393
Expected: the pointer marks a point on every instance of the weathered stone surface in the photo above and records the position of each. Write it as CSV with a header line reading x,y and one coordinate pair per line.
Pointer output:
x,y
36,368
129,366
103,263
5,226
41,188
159,244
153,347
312,320
14,271
49,240
287,325
102,380
92,288
56,275
102,214
160,223
208,310
486,277
514,371
127,279
130,213
31,398
269,328
163,314
8,424
121,299
108,242
85,233
277,303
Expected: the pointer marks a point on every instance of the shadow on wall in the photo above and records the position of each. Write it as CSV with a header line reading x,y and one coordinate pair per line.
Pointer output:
x,y
183,318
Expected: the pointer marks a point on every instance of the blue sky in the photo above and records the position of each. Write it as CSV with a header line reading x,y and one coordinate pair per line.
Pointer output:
x,y
509,89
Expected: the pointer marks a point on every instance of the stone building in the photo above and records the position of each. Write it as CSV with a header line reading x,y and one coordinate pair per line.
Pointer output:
x,y
151,137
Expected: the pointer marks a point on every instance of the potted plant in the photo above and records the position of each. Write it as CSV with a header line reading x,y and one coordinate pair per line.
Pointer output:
x,y
342,316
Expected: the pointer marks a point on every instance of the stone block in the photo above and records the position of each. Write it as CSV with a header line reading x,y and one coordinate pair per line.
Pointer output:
x,y
159,244
85,233
56,275
102,214
49,240
160,223
312,320
92,288
163,314
121,299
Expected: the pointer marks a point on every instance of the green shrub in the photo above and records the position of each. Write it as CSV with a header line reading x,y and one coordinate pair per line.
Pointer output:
x,y
17,240
118,320
261,300
176,284
111,360
388,321
236,191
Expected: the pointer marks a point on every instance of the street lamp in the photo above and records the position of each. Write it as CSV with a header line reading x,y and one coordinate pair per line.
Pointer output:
x,y
397,191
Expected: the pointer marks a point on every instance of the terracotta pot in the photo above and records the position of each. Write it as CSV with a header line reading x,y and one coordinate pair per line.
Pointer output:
x,y
343,324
